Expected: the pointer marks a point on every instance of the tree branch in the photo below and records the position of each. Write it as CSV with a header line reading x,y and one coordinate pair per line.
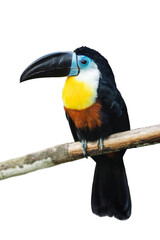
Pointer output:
x,y
73,151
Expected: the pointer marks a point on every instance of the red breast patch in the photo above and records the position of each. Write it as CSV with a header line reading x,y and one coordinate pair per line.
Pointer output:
x,y
89,117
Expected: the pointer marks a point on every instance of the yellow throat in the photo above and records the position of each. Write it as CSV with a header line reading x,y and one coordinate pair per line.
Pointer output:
x,y
78,94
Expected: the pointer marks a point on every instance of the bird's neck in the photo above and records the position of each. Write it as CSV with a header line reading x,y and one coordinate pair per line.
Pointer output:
x,y
80,92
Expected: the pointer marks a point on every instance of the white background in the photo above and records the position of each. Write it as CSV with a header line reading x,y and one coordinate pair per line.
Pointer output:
x,y
55,203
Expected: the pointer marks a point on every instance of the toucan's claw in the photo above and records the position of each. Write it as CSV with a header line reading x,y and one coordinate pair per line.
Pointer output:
x,y
84,147
100,144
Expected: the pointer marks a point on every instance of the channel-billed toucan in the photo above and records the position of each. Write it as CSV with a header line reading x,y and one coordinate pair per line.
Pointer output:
x,y
95,109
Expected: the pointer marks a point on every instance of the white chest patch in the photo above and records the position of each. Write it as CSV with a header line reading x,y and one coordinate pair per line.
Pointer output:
x,y
89,76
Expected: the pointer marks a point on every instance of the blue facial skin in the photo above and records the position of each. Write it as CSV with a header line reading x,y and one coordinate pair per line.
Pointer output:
x,y
82,62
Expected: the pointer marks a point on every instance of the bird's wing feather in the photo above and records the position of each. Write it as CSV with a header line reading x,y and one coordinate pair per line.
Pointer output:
x,y
115,106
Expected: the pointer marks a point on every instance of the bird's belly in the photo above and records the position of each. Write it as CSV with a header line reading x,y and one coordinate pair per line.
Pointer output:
x,y
89,118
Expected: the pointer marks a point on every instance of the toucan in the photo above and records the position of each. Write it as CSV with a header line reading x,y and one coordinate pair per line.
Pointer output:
x,y
94,109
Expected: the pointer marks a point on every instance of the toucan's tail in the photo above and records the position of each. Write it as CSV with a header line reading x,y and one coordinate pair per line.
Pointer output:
x,y
110,191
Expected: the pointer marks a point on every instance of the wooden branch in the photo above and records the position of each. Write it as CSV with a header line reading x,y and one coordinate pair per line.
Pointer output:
x,y
73,151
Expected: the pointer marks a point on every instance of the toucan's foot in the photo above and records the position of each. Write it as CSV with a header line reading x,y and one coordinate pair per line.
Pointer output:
x,y
84,147
100,144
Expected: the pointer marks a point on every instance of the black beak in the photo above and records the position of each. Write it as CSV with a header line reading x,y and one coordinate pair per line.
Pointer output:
x,y
58,64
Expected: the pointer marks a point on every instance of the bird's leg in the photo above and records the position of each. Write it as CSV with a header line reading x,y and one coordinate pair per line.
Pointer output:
x,y
84,147
100,144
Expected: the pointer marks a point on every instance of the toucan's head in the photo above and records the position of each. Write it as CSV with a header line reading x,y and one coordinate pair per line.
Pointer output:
x,y
85,69
61,64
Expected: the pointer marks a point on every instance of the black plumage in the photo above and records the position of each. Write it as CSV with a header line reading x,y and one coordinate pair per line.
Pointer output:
x,y
110,191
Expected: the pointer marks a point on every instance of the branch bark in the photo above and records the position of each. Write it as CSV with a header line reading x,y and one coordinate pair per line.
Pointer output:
x,y
73,151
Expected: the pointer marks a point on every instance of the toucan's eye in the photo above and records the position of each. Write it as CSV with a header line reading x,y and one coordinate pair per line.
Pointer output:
x,y
83,61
